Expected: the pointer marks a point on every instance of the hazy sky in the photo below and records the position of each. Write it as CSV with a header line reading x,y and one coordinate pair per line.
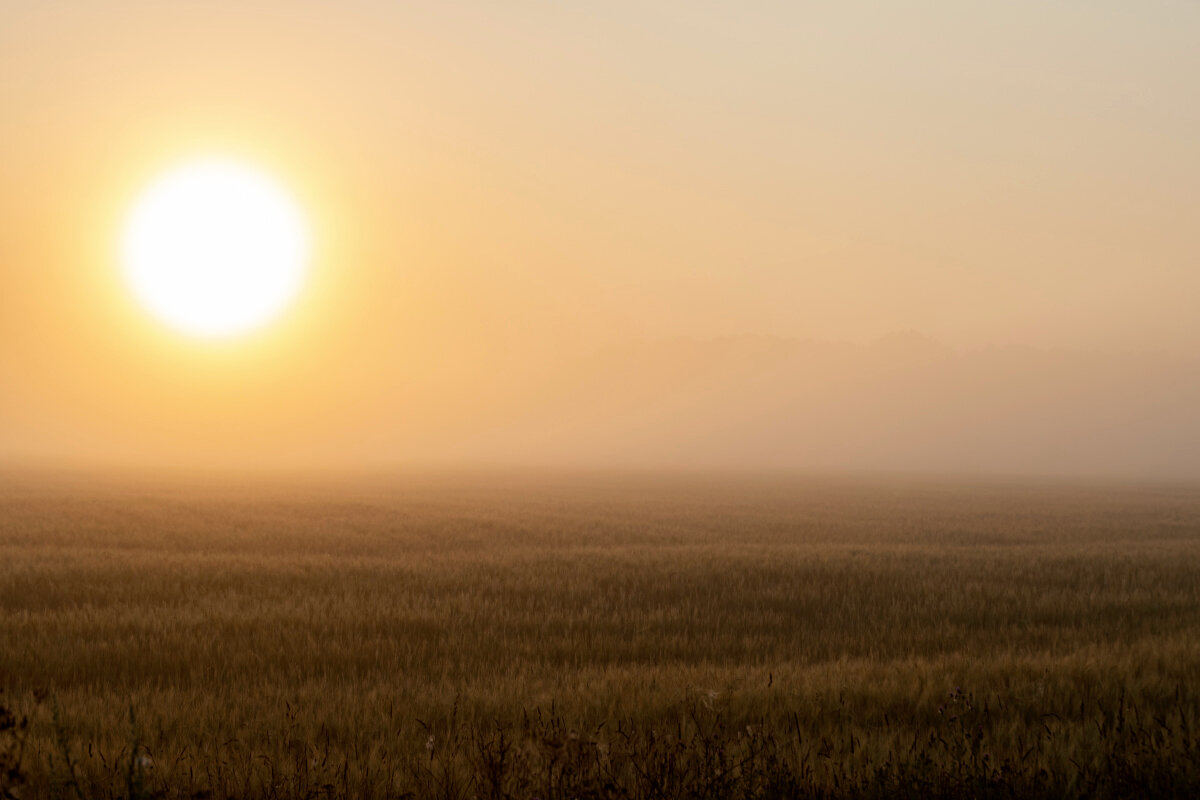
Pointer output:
x,y
498,187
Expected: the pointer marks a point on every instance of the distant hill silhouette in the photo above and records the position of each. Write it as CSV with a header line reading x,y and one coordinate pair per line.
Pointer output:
x,y
904,402
901,403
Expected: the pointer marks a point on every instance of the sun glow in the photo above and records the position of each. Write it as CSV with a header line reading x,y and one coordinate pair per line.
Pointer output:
x,y
215,248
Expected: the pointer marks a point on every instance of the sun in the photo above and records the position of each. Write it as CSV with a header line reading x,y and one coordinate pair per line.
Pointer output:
x,y
215,248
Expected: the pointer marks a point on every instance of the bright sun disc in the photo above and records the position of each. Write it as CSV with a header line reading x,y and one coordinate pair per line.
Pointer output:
x,y
215,248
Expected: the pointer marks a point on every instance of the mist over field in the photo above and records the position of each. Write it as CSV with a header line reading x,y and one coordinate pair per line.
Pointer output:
x,y
900,403
903,402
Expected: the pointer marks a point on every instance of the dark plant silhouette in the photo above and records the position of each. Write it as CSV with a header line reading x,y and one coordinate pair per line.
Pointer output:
x,y
702,754
13,728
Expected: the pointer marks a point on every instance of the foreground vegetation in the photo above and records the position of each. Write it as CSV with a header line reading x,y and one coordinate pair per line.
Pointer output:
x,y
598,636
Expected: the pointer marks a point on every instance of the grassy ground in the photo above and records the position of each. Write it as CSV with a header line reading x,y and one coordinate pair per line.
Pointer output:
x,y
598,635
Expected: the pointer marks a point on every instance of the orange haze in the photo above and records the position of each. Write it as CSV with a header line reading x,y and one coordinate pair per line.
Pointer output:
x,y
624,234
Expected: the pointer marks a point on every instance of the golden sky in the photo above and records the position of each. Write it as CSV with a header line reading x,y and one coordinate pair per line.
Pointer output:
x,y
503,193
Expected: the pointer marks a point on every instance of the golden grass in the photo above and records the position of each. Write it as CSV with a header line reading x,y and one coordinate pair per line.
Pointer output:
x,y
244,622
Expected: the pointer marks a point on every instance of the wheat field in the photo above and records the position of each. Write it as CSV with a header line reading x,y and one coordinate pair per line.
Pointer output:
x,y
597,635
